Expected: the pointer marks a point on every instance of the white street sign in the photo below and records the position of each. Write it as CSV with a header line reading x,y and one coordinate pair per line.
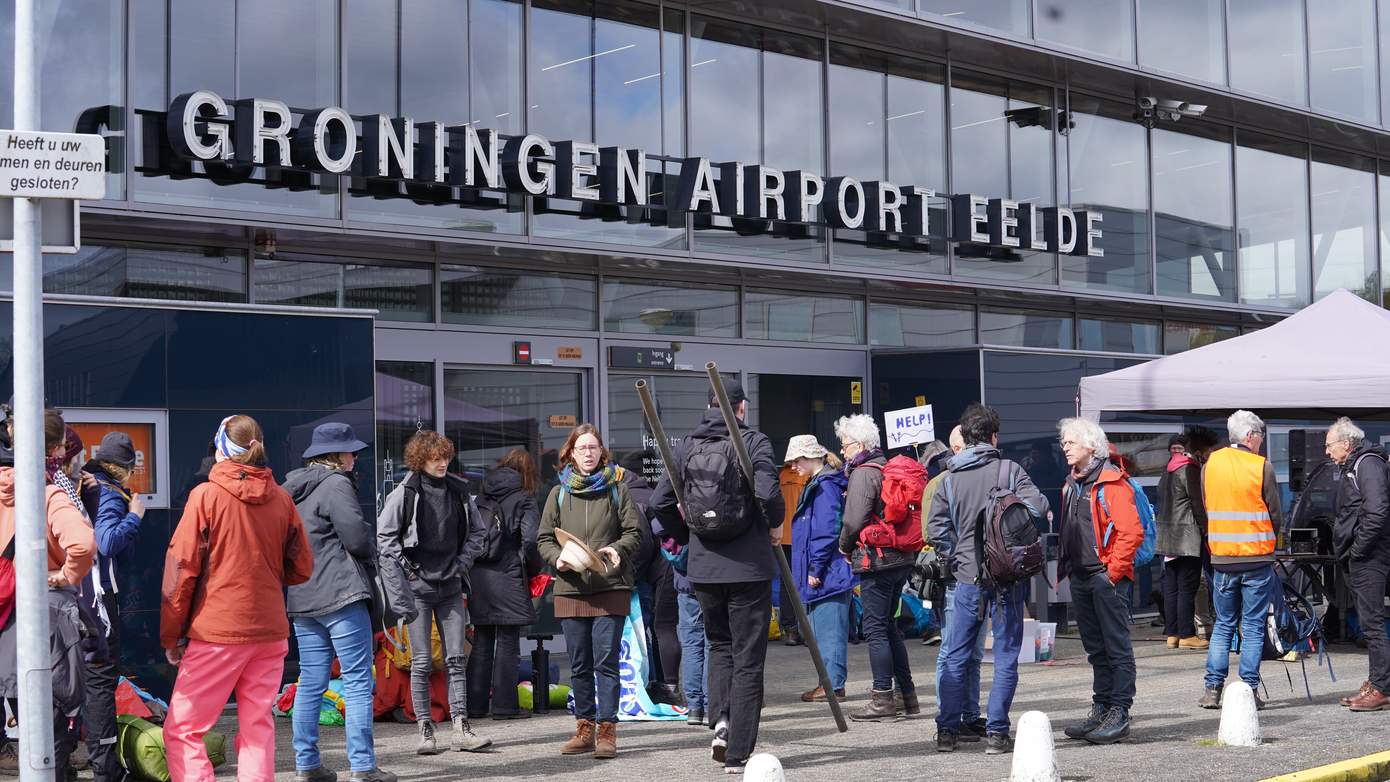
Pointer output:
x,y
911,426
36,164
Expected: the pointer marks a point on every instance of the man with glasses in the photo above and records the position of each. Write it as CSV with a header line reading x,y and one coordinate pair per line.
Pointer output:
x,y
1360,539
1242,499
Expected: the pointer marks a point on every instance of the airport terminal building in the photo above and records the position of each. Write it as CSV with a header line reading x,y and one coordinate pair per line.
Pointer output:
x,y
491,217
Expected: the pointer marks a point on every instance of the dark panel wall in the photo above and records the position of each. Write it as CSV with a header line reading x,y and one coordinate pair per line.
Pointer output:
x,y
949,380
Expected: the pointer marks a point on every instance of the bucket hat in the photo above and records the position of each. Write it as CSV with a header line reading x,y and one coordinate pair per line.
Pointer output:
x,y
333,438
577,554
804,446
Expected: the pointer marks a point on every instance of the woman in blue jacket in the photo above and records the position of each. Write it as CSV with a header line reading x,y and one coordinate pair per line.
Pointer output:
x,y
822,574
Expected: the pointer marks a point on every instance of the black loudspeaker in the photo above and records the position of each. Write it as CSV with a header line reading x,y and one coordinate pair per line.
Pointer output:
x,y
1306,451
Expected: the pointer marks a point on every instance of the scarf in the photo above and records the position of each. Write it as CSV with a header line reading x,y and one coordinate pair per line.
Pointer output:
x,y
60,479
861,457
600,482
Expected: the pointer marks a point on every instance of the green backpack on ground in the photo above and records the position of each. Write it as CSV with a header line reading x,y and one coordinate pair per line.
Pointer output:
x,y
140,747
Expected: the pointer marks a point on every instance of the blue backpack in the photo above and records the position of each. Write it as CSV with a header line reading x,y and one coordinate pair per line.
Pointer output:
x,y
1145,553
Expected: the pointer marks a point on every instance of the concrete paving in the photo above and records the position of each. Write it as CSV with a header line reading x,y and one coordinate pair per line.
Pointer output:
x,y
1172,738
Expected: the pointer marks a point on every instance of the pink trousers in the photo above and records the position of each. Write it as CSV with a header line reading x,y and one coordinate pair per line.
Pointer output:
x,y
208,675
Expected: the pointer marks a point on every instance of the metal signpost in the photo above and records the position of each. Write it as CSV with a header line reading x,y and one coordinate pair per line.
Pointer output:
x,y
35,166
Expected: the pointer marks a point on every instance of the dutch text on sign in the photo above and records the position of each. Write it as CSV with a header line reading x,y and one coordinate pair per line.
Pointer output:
x,y
37,164
911,426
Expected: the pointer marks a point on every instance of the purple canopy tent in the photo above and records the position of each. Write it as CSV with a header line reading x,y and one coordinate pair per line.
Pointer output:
x,y
1328,356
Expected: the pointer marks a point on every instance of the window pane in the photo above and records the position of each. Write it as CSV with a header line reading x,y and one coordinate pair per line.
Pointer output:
x,y
402,293
1025,329
1384,17
1186,37
1109,174
797,318
673,82
176,274
1011,16
1385,237
1342,57
298,283
404,406
1178,337
793,106
1266,39
725,93
479,296
935,326
1193,216
858,100
682,401
1105,27
489,412
657,308
1273,220
1344,247
1118,336
979,135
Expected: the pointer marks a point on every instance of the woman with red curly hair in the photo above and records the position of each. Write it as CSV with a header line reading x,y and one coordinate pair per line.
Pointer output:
x,y
428,536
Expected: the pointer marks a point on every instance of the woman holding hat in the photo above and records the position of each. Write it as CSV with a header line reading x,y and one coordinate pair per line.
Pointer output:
x,y
589,533
329,611
823,577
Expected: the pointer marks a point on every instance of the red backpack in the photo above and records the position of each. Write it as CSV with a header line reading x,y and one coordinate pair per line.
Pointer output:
x,y
899,523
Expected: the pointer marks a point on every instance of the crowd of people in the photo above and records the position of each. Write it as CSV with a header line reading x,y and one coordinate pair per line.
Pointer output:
x,y
252,561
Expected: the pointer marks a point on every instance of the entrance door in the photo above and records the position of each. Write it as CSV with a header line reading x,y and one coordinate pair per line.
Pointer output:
x,y
681,400
783,406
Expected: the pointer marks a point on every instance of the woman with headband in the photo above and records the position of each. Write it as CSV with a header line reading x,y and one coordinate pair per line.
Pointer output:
x,y
222,623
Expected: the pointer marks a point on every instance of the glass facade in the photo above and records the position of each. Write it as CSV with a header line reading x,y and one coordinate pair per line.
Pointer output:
x,y
1184,37
789,317
637,307
1194,216
1108,155
1274,261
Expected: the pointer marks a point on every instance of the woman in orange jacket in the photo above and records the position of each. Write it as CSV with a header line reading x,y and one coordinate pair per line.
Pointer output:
x,y
223,623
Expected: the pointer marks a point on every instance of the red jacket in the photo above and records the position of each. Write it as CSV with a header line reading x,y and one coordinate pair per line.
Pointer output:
x,y
71,542
239,544
1117,554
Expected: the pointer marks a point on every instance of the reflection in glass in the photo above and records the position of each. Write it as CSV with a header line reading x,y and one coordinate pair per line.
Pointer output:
x,y
933,326
1193,216
636,307
1344,218
404,406
1274,260
1267,50
1109,173
176,274
1011,16
480,296
1117,336
1384,184
1342,58
1105,27
1186,37
1025,329
725,92
803,318
681,401
1178,337
297,283
399,293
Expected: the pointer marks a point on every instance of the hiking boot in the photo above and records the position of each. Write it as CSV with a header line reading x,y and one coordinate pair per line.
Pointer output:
x,y
375,775
1172,642
1259,703
946,740
695,717
1365,688
9,759
1194,643
1092,721
1211,698
427,745
606,747
998,744
818,695
792,637
319,774
974,730
719,746
465,740
583,741
911,706
880,706
1373,700
1114,727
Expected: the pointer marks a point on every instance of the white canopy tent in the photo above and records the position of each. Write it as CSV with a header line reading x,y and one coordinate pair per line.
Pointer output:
x,y
1333,355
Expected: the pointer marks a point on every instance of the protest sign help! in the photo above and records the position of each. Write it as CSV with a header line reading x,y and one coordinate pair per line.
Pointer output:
x,y
909,426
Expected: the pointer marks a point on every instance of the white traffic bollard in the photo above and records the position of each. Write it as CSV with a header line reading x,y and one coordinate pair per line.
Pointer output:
x,y
763,767
1034,757
1240,723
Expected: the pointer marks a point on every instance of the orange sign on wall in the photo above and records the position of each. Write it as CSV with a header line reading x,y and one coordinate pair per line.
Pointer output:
x,y
142,481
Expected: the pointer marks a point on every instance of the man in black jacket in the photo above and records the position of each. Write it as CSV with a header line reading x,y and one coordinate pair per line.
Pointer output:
x,y
733,581
1361,537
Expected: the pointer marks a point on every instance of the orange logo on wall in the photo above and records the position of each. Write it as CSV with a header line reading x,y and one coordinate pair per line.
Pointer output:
x,y
141,436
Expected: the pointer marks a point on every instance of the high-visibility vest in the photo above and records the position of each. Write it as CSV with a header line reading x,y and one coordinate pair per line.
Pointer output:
x,y
1238,523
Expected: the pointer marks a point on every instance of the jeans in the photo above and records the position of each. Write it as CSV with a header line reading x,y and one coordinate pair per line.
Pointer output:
x,y
1181,577
830,621
1368,578
593,644
450,614
1102,618
968,610
1239,598
694,649
737,616
492,670
347,635
970,711
888,661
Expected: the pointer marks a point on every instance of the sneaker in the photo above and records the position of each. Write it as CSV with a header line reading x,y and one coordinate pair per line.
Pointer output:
x,y
1211,698
375,775
695,717
974,730
998,744
1092,721
1114,727
946,740
465,740
732,766
719,747
931,639
319,774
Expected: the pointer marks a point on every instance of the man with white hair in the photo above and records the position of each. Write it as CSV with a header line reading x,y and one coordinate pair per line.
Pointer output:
x,y
1361,538
1242,497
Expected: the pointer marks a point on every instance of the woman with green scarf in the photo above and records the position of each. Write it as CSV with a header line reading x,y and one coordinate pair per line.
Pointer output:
x,y
591,504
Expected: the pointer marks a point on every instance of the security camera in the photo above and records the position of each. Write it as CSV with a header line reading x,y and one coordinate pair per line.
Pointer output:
x,y
1193,110
1147,103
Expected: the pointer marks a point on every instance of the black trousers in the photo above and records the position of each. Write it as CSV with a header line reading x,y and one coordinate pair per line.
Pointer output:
x,y
664,620
1102,617
1368,579
99,709
1181,577
736,621
786,615
492,670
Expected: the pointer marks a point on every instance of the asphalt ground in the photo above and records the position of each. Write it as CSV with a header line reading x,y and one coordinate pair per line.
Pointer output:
x,y
1172,739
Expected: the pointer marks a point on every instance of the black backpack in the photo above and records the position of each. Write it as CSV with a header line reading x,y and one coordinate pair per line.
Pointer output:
x,y
716,507
1011,548
496,533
